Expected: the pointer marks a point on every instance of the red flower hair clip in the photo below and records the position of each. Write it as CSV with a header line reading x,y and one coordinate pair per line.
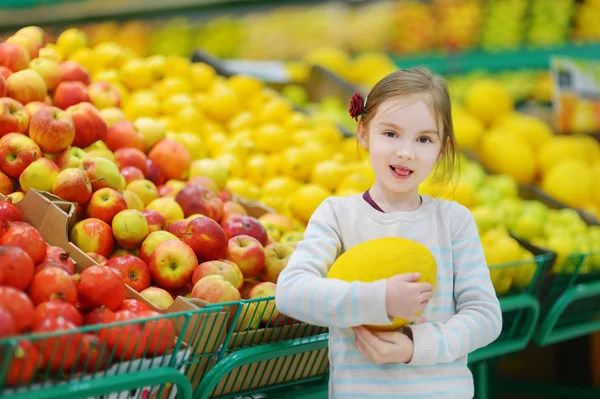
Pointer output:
x,y
357,106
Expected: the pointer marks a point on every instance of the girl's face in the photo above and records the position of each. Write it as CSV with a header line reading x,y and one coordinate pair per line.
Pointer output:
x,y
403,142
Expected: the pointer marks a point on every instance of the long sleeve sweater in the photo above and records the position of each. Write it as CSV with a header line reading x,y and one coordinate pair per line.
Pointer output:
x,y
462,316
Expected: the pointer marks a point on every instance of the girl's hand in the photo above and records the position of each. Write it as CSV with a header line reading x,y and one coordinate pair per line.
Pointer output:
x,y
405,297
384,347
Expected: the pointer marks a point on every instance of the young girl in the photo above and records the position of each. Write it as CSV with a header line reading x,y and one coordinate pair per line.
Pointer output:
x,y
406,126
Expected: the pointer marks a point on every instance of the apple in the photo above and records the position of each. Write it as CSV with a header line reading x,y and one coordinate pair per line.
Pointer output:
x,y
144,189
101,260
6,187
118,251
156,221
154,174
247,253
292,238
26,86
73,72
104,95
13,117
35,33
70,93
89,125
133,201
2,86
93,235
17,152
277,256
102,173
152,130
166,191
52,129
105,204
205,182
267,309
72,184
124,134
40,175
70,158
215,289
249,318
5,72
246,225
210,168
179,228
228,270
158,297
130,227
134,271
49,70
13,56
247,287
31,44
172,263
207,238
196,199
131,173
16,196
280,222
231,208
167,207
172,158
34,107
127,156
152,241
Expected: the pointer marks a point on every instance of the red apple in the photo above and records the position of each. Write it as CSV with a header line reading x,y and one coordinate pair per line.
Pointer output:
x,y
172,264
131,173
134,271
246,225
104,95
13,117
154,174
158,297
26,86
53,129
215,289
93,235
73,72
194,199
228,270
156,221
49,70
133,305
58,256
70,158
34,107
231,209
277,256
105,204
103,173
267,309
124,134
6,187
17,152
13,56
179,228
207,238
39,175
225,195
130,228
5,72
2,86
205,182
171,157
152,241
89,125
166,191
31,44
247,253
70,93
127,156
72,184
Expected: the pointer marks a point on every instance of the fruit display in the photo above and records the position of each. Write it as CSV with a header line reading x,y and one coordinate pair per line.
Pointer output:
x,y
549,23
504,24
585,26
526,148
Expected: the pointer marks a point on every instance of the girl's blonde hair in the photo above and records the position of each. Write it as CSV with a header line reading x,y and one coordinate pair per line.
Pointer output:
x,y
419,81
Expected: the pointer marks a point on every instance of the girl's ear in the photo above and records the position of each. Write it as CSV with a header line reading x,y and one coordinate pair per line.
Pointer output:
x,y
363,137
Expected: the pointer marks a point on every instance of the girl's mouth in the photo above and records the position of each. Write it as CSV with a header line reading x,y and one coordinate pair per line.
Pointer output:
x,y
400,172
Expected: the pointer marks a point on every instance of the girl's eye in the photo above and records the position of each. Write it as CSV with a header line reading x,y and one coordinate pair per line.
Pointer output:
x,y
424,140
389,134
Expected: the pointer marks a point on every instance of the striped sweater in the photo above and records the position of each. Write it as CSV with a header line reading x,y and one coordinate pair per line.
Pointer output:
x,y
463,315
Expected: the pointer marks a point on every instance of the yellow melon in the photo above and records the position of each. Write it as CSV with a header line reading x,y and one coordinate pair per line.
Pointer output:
x,y
383,258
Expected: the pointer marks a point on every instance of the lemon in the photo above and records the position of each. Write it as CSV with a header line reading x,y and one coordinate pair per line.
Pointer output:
x,y
328,134
202,75
559,148
354,181
172,85
280,186
192,142
306,199
467,131
232,164
222,103
188,117
136,73
533,130
257,169
178,66
157,63
463,193
277,203
243,188
488,100
211,168
507,153
296,120
70,41
570,181
295,164
328,174
245,86
275,111
241,121
317,152
332,58
271,138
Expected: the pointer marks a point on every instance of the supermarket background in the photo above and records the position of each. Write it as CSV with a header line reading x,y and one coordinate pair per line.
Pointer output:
x,y
525,83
